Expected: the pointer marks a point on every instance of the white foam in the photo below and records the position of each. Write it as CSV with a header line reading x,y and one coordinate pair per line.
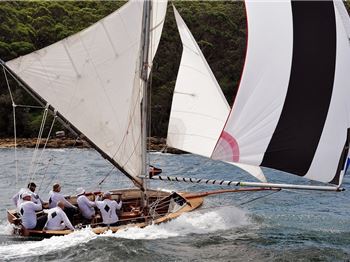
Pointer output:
x,y
56,149
189,223
37,248
6,229
160,153
200,222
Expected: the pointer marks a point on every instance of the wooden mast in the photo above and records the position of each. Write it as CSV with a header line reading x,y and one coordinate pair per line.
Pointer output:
x,y
145,46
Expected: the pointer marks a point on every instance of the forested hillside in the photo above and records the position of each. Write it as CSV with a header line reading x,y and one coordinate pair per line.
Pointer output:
x,y
219,27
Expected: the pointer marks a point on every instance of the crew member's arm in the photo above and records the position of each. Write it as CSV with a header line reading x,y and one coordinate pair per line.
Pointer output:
x,y
37,197
15,199
66,220
98,204
67,203
88,202
119,204
37,207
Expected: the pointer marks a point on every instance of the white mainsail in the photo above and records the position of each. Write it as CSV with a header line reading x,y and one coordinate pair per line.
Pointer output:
x,y
92,79
199,109
292,112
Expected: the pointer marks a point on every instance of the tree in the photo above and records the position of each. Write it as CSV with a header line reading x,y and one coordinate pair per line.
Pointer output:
x,y
217,26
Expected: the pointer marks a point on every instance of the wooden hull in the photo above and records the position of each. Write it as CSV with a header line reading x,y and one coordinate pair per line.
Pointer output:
x,y
127,218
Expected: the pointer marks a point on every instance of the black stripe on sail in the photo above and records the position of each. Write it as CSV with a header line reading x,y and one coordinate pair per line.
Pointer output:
x,y
342,160
296,137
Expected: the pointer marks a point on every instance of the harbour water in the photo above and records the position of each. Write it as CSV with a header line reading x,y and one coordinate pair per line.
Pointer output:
x,y
285,226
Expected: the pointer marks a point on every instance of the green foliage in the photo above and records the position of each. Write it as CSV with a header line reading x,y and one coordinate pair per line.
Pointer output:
x,y
5,51
6,116
219,28
22,48
26,26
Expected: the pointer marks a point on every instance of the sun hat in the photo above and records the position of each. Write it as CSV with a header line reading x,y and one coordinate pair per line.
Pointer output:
x,y
80,191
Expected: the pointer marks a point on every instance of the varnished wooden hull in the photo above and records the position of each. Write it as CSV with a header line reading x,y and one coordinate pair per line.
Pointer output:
x,y
191,204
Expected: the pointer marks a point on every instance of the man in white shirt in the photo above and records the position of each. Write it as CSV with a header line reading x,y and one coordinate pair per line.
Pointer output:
x,y
55,196
17,198
57,219
27,210
108,209
85,205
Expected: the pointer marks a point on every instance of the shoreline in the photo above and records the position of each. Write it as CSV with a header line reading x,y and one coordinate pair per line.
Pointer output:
x,y
154,143
52,143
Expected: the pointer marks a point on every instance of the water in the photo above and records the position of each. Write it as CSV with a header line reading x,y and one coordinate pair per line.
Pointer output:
x,y
286,226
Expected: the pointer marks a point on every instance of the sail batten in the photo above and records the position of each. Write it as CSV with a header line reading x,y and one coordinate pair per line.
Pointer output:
x,y
293,91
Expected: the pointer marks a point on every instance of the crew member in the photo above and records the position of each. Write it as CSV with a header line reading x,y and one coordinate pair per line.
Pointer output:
x,y
57,219
55,196
85,205
27,211
17,198
108,209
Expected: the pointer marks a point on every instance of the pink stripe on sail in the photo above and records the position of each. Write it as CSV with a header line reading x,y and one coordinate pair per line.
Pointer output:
x,y
227,148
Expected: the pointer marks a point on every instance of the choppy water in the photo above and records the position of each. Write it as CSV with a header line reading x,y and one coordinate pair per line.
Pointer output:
x,y
286,226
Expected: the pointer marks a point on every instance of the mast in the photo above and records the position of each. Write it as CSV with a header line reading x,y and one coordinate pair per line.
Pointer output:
x,y
145,45
76,74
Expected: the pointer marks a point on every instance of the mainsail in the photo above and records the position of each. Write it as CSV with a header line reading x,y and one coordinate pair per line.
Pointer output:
x,y
291,112
199,108
93,80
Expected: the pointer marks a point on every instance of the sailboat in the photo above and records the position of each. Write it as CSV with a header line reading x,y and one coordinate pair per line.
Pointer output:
x,y
290,113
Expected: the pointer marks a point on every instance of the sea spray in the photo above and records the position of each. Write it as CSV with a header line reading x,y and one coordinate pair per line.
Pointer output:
x,y
198,222
6,228
53,244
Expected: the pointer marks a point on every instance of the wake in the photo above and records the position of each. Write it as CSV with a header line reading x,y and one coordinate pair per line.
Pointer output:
x,y
198,222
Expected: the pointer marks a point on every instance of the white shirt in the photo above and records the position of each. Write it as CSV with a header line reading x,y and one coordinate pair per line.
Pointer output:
x,y
55,197
17,198
86,206
57,219
108,210
35,197
27,211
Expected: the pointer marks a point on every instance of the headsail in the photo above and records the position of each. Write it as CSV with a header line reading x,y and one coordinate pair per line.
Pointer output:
x,y
92,79
292,112
199,109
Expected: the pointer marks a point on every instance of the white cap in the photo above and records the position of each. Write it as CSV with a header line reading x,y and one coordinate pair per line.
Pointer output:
x,y
107,194
26,195
80,191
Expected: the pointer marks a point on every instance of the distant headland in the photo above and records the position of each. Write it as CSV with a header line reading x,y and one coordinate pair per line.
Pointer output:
x,y
155,143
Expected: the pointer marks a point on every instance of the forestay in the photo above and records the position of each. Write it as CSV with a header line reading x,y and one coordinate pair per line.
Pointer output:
x,y
292,111
199,109
92,79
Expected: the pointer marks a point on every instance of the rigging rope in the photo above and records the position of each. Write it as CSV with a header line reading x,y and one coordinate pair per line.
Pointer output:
x,y
61,169
242,203
44,147
103,180
258,198
15,140
33,161
14,122
44,174
29,106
